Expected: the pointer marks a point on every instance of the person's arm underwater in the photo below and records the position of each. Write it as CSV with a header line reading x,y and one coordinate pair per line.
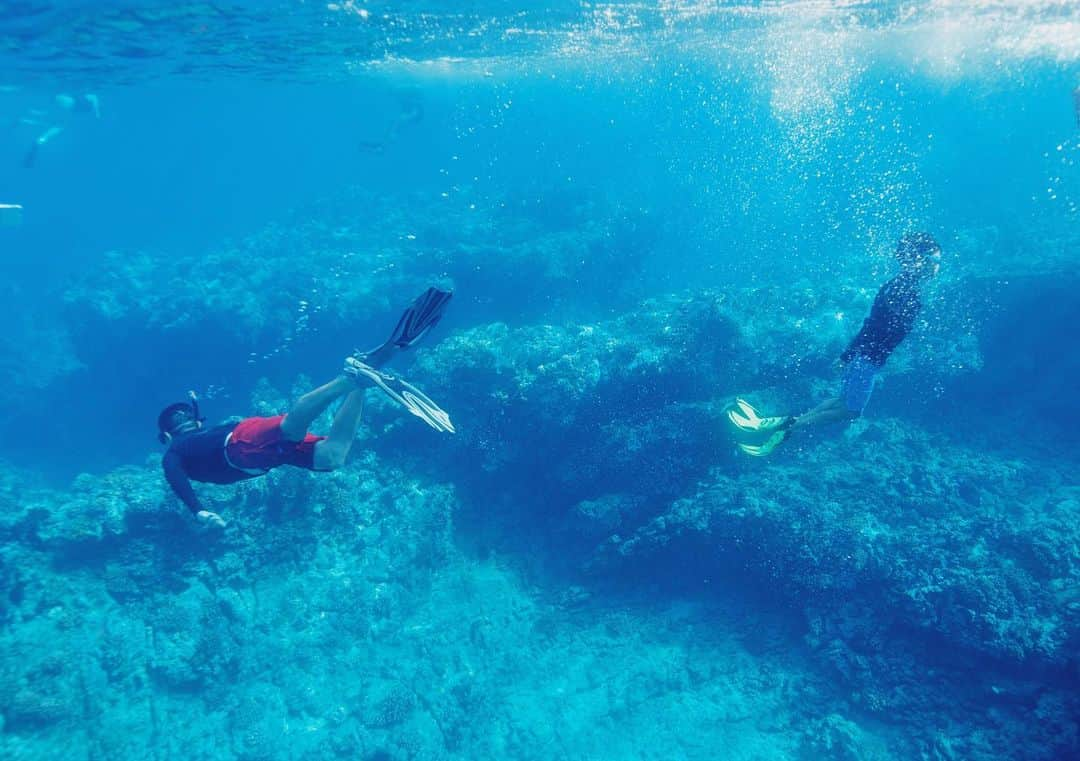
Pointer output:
x,y
31,155
181,485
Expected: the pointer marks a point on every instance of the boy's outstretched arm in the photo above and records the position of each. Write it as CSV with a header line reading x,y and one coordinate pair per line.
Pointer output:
x,y
181,485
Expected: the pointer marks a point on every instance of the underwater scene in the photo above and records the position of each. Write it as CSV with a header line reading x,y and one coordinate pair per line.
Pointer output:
x,y
471,379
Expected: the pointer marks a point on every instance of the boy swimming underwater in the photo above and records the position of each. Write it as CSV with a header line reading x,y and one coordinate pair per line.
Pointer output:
x,y
254,446
891,318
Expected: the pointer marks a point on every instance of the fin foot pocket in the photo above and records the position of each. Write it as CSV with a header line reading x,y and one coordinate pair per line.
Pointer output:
x,y
404,393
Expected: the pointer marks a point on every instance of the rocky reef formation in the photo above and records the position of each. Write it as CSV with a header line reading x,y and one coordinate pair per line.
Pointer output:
x,y
910,551
842,607
628,416
353,262
905,588
335,617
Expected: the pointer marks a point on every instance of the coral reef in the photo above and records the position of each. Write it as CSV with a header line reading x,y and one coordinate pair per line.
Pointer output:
x,y
336,270
335,618
588,568
894,540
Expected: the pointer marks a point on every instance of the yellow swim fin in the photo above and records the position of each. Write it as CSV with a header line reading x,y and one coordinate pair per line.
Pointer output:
x,y
770,444
746,418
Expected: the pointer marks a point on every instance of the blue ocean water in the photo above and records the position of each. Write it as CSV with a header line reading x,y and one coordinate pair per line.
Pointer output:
x,y
645,210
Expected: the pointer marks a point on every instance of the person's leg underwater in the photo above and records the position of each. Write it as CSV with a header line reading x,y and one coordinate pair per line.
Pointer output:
x,y
330,453
312,404
855,390
829,411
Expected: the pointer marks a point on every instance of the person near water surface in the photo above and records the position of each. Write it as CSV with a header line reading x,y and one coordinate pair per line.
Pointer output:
x,y
254,446
891,318
410,112
53,122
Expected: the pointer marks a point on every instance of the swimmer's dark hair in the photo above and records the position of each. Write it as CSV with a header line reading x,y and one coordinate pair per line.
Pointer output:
x,y
174,418
914,247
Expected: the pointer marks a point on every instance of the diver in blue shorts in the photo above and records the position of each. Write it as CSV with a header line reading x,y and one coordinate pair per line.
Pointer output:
x,y
891,318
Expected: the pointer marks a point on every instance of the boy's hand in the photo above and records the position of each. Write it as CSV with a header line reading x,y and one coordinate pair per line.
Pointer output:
x,y
208,518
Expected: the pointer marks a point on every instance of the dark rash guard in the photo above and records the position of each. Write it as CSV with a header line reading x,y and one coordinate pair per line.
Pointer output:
x,y
200,456
891,318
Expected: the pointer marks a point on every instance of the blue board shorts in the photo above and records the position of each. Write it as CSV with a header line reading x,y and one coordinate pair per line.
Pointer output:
x,y
858,384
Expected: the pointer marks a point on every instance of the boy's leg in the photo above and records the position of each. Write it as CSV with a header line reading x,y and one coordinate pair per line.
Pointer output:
x,y
829,411
855,390
331,452
312,404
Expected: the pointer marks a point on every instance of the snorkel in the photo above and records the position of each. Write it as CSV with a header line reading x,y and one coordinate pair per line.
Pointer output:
x,y
193,398
190,420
